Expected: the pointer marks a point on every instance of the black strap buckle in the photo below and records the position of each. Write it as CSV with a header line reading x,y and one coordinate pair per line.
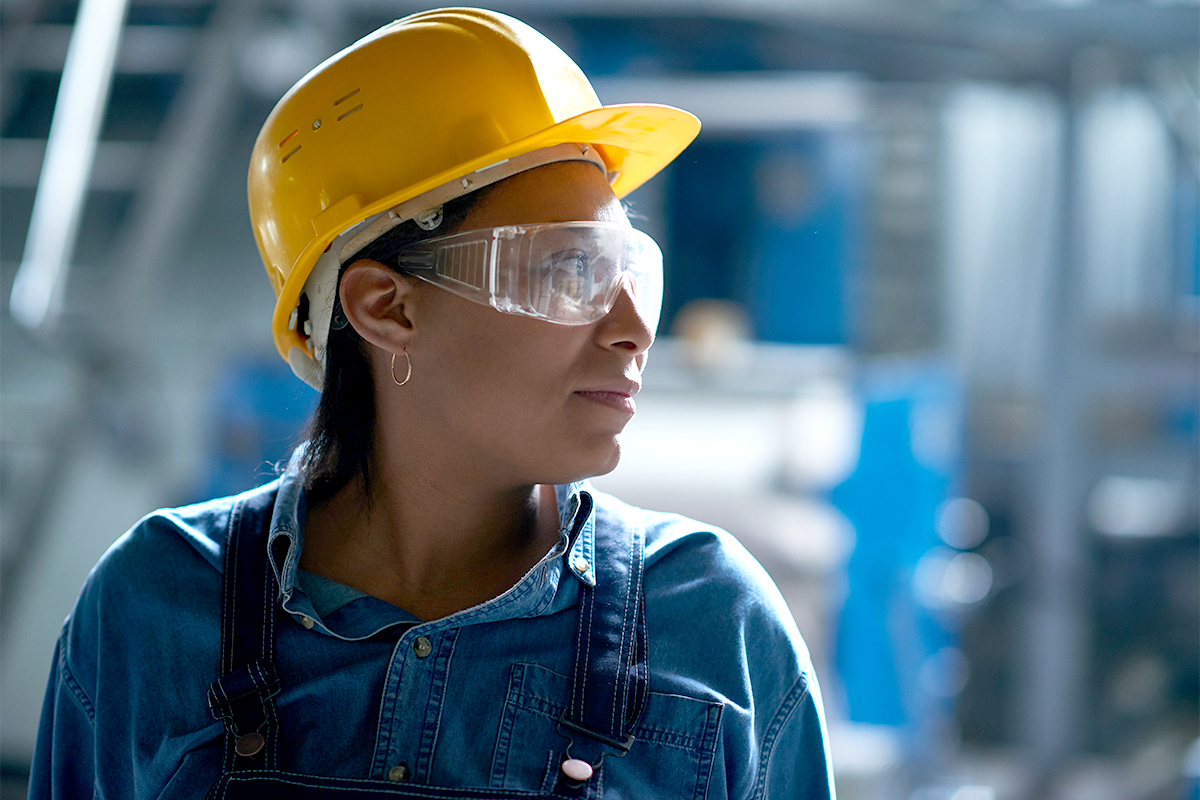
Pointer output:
x,y
226,695
622,744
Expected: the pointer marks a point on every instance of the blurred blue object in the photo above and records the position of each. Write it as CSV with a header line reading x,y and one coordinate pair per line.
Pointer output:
x,y
806,237
258,413
1191,772
1186,204
897,651
773,223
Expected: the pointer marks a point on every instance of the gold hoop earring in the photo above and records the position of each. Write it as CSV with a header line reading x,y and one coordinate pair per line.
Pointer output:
x,y
407,375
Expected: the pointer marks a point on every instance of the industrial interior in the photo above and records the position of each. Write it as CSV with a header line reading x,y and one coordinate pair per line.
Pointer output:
x,y
930,345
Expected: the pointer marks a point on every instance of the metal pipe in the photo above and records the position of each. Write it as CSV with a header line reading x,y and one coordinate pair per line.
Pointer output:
x,y
40,282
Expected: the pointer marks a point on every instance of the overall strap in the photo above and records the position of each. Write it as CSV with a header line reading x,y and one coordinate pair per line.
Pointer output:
x,y
610,680
243,697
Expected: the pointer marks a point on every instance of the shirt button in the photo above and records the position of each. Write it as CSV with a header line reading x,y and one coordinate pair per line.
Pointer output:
x,y
307,622
398,773
422,646
580,563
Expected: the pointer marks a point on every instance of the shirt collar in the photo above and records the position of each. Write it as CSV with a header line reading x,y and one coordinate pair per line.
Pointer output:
x,y
577,538
577,522
286,538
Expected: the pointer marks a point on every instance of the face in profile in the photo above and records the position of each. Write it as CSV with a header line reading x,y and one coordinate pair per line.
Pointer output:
x,y
523,399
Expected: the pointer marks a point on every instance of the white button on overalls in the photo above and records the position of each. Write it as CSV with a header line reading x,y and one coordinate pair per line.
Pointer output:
x,y
576,769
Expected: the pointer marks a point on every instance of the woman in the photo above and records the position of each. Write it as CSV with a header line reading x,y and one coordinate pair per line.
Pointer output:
x,y
431,601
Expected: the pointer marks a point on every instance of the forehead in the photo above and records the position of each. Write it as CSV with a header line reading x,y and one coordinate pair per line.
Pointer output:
x,y
568,191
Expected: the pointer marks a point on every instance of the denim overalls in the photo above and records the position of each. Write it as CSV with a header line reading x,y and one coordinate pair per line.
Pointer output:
x,y
609,680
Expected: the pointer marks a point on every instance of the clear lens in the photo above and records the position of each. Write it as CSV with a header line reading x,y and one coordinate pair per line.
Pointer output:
x,y
570,273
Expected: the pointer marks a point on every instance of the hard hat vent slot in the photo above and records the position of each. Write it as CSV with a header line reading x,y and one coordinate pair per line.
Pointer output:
x,y
289,137
343,99
289,155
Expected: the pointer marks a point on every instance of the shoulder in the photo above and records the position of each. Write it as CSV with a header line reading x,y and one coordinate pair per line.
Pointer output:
x,y
719,630
151,608
700,577
187,536
165,571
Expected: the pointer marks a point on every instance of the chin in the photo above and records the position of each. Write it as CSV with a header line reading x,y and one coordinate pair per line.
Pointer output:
x,y
598,461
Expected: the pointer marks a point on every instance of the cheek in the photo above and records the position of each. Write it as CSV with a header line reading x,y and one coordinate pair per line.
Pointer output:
x,y
535,362
504,363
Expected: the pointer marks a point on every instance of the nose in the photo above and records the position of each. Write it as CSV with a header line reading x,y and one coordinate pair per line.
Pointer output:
x,y
624,327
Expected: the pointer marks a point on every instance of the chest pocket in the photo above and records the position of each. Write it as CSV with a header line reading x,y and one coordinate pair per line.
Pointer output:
x,y
676,740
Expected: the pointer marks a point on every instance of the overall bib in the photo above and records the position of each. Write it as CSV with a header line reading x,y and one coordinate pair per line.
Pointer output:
x,y
608,693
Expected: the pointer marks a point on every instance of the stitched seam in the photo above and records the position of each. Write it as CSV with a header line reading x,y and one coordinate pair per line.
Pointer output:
x,y
230,591
704,767
644,686
268,651
549,773
575,685
587,658
798,692
532,703
586,608
441,701
504,733
587,601
537,705
635,600
622,670
383,737
297,779
73,686
268,612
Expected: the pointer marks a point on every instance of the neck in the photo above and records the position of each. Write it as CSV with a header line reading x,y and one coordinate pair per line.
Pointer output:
x,y
427,540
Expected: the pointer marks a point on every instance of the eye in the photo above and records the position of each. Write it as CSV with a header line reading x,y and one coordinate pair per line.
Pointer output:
x,y
573,261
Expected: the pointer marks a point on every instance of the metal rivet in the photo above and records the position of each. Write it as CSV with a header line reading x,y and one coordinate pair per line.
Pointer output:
x,y
576,769
398,773
581,563
316,124
249,744
307,622
422,646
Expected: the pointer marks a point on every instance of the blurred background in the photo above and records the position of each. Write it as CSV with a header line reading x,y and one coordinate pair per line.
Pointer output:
x,y
929,345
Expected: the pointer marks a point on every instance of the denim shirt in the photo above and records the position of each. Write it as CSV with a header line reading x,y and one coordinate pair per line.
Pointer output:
x,y
734,709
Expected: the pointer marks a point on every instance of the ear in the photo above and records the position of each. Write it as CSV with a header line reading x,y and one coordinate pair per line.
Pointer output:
x,y
378,303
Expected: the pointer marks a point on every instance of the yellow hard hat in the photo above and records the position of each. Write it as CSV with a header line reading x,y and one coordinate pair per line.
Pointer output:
x,y
410,108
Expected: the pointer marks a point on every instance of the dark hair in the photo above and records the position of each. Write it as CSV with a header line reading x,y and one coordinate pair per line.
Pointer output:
x,y
341,433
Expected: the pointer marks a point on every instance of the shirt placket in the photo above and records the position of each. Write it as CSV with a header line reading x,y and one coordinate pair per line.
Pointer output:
x,y
411,706
415,685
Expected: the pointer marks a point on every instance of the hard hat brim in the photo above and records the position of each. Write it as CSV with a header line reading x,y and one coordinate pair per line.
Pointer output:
x,y
636,140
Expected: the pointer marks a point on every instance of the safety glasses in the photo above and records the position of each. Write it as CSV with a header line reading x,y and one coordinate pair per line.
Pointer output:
x,y
565,272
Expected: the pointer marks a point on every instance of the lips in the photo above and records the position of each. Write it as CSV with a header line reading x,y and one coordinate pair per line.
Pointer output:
x,y
614,400
617,395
